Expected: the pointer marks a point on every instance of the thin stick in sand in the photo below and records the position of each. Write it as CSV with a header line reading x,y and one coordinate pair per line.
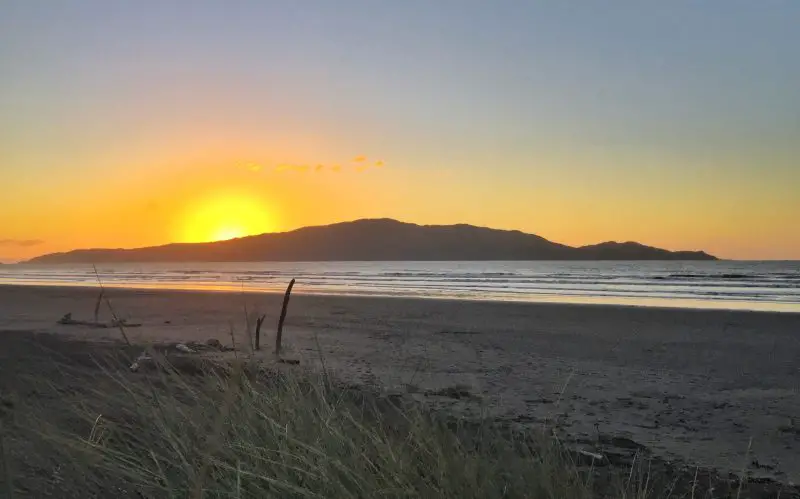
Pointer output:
x,y
259,322
279,336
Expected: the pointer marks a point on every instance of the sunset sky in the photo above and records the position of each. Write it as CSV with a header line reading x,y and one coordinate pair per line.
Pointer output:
x,y
134,123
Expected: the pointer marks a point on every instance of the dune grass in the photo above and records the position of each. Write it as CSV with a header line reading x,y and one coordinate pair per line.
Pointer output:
x,y
237,433
232,429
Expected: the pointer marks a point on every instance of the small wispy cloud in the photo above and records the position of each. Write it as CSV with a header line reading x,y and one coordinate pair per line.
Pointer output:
x,y
358,164
251,167
25,243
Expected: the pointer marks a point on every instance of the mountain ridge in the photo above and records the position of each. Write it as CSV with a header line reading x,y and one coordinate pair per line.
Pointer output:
x,y
380,239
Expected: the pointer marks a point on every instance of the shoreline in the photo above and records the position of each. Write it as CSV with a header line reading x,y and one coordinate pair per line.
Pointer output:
x,y
561,300
694,385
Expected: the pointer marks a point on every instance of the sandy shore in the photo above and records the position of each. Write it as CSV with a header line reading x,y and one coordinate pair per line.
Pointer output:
x,y
692,384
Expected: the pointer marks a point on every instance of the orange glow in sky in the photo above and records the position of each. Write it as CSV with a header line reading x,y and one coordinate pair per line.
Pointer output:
x,y
125,126
222,217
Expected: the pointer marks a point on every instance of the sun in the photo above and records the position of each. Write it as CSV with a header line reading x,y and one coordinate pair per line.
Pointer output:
x,y
223,217
226,233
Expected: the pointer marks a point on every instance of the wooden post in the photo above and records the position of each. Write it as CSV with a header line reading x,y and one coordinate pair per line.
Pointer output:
x,y
259,321
97,305
283,317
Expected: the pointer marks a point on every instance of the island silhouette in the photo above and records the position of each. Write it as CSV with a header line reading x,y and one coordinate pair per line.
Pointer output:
x,y
377,240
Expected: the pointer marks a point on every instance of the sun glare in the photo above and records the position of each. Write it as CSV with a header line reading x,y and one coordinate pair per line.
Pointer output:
x,y
226,233
226,217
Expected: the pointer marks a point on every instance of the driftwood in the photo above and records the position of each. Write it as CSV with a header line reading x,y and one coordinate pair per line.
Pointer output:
x,y
67,320
259,322
97,305
454,392
176,355
212,345
279,336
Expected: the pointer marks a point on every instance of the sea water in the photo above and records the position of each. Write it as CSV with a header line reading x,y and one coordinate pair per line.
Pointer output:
x,y
767,285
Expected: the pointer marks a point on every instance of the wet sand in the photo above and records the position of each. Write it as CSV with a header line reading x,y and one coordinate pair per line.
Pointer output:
x,y
697,385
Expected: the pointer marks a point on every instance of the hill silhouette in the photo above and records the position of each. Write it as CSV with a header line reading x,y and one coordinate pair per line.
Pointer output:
x,y
376,240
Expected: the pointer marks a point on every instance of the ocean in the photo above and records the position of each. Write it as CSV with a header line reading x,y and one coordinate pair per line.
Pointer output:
x,y
768,285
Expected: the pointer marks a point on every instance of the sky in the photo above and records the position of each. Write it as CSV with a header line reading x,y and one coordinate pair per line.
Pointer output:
x,y
133,123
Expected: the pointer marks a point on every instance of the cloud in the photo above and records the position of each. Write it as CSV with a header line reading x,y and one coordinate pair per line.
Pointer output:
x,y
25,243
363,165
358,164
250,166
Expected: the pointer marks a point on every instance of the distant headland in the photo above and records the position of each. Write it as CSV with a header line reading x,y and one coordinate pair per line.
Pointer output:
x,y
377,240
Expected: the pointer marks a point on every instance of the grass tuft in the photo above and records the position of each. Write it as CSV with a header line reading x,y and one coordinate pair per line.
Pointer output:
x,y
233,433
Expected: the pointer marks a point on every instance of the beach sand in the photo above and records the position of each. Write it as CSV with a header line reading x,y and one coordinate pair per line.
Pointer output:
x,y
699,386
